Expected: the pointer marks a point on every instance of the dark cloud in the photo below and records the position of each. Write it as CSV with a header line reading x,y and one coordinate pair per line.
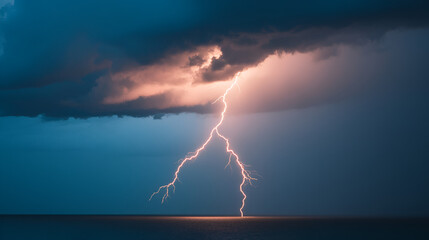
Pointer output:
x,y
55,52
196,60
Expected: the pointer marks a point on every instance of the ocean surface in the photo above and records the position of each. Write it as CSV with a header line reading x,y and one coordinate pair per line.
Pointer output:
x,y
142,227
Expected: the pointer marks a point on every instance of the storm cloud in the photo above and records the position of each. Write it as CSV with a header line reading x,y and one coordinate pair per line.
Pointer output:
x,y
64,59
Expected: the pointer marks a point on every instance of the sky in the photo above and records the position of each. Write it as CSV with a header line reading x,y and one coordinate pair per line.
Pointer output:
x,y
99,101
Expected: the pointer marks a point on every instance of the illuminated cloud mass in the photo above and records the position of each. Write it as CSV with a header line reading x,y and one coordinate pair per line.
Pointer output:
x,y
158,57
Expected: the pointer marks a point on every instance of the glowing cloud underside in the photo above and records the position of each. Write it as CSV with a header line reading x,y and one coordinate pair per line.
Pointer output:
x,y
245,174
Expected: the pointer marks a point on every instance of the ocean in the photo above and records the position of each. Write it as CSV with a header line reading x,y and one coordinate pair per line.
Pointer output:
x,y
54,227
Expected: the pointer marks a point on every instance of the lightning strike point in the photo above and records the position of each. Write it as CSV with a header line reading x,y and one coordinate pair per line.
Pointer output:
x,y
245,174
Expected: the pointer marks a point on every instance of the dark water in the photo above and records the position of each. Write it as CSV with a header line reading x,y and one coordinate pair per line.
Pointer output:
x,y
135,227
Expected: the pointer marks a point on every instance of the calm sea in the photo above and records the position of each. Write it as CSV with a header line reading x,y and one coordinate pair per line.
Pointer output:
x,y
220,228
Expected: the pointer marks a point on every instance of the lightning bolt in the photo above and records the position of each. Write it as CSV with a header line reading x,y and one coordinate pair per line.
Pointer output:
x,y
245,174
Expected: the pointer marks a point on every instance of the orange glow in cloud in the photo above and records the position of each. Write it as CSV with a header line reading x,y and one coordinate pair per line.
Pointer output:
x,y
281,81
174,77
